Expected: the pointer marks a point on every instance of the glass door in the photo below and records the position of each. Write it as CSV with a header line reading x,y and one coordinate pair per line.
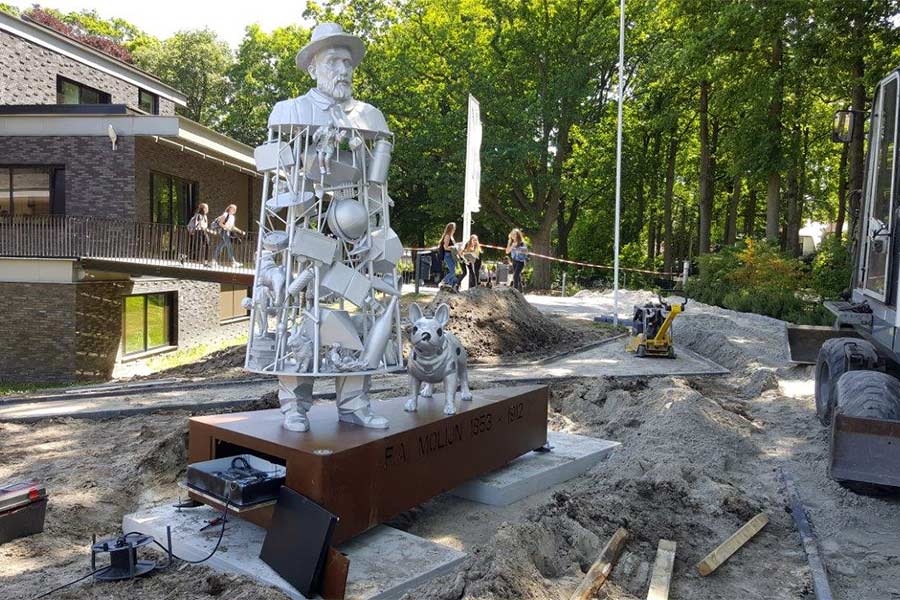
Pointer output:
x,y
879,204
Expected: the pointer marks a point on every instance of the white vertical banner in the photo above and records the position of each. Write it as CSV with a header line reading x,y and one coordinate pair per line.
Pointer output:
x,y
471,202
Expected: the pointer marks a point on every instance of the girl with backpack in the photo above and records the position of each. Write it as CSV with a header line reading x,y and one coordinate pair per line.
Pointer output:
x,y
472,257
518,253
225,225
198,228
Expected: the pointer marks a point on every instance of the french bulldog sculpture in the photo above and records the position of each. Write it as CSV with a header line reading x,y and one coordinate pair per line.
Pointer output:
x,y
436,357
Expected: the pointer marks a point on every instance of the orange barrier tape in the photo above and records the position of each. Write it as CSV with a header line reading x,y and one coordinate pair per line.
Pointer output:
x,y
561,260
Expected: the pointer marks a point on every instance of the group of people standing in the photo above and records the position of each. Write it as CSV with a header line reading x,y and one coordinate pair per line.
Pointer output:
x,y
224,226
470,255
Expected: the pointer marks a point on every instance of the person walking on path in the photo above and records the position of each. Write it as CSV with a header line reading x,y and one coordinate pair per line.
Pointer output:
x,y
198,228
225,224
471,255
448,249
518,253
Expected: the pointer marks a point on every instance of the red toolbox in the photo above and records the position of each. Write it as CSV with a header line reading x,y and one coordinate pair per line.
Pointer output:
x,y
22,509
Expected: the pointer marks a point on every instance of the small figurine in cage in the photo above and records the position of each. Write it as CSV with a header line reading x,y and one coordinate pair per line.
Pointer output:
x,y
302,347
326,139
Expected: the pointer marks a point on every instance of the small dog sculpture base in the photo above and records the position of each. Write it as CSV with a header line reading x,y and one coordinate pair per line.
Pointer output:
x,y
437,356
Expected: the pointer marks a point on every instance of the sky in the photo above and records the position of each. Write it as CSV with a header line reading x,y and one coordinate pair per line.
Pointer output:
x,y
162,18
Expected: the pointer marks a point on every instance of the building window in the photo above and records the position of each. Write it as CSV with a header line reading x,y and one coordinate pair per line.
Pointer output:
x,y
230,298
147,102
147,322
172,199
27,191
71,92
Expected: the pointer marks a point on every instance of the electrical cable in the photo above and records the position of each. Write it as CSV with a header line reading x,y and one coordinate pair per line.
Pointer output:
x,y
210,555
65,585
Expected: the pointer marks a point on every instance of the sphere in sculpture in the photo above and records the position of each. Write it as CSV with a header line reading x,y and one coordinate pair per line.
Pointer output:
x,y
348,219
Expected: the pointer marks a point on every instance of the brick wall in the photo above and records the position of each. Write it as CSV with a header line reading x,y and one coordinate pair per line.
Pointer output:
x,y
28,76
219,185
59,332
99,180
72,331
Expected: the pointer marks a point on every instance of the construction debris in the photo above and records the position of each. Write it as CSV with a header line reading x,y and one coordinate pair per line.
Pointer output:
x,y
743,535
602,567
662,571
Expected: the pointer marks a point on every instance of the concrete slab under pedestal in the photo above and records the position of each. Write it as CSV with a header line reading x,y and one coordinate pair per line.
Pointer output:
x,y
571,456
384,562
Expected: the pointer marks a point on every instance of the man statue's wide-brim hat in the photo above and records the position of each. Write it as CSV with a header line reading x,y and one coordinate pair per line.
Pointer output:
x,y
330,35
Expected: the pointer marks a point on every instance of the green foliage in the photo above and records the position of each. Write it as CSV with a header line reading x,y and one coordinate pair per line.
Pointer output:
x,y
196,63
831,269
756,277
263,73
9,9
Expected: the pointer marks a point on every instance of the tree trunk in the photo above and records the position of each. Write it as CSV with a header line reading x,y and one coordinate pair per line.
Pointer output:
x,y
773,189
750,214
792,226
652,200
842,194
668,237
731,217
541,277
706,175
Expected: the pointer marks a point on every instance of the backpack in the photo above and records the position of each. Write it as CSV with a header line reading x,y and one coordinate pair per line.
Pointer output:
x,y
192,224
215,226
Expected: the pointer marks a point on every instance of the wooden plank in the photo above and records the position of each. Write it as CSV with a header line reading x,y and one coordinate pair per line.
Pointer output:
x,y
714,559
662,571
602,567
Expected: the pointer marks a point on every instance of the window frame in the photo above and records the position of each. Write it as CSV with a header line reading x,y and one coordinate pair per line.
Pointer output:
x,y
187,211
171,305
235,315
57,185
154,101
104,97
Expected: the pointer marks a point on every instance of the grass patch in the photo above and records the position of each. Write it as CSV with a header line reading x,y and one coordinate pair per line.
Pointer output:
x,y
178,358
14,389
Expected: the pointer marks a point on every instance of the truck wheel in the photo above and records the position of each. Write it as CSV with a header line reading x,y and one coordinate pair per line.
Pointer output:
x,y
836,357
869,395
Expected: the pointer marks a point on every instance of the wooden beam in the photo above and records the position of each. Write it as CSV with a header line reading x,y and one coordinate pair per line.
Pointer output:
x,y
662,571
602,567
718,556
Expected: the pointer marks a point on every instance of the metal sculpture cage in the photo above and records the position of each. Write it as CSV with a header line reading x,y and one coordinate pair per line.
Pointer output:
x,y
326,267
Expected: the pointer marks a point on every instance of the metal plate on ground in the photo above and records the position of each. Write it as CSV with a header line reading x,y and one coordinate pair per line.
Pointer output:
x,y
384,562
571,456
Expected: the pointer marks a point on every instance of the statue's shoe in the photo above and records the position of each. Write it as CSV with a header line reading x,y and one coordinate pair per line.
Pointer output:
x,y
364,417
295,420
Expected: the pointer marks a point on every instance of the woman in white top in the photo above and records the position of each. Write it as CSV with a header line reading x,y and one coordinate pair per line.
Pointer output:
x,y
226,224
198,227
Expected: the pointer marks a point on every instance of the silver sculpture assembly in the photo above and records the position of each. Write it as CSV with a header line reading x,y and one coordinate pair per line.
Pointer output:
x,y
437,356
325,302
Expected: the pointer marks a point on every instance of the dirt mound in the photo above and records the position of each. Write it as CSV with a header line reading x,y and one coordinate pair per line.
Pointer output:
x,y
500,321
689,470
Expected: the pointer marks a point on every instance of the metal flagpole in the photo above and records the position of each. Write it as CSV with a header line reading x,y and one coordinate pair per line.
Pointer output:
x,y
619,162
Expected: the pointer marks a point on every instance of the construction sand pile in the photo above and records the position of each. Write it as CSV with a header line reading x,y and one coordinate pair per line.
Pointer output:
x,y
498,322
689,470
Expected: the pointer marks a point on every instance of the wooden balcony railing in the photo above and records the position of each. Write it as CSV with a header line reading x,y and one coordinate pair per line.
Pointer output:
x,y
120,240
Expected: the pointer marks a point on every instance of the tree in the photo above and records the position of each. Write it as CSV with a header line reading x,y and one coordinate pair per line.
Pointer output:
x,y
263,73
196,63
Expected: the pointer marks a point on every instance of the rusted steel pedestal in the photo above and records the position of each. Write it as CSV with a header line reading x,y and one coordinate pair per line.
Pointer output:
x,y
368,476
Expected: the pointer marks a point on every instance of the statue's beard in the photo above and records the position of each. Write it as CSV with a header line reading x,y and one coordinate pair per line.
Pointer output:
x,y
339,89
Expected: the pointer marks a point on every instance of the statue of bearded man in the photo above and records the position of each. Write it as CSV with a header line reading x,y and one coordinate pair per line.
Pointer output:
x,y
330,58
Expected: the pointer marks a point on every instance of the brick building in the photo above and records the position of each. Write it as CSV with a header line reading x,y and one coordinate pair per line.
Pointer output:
x,y
86,136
